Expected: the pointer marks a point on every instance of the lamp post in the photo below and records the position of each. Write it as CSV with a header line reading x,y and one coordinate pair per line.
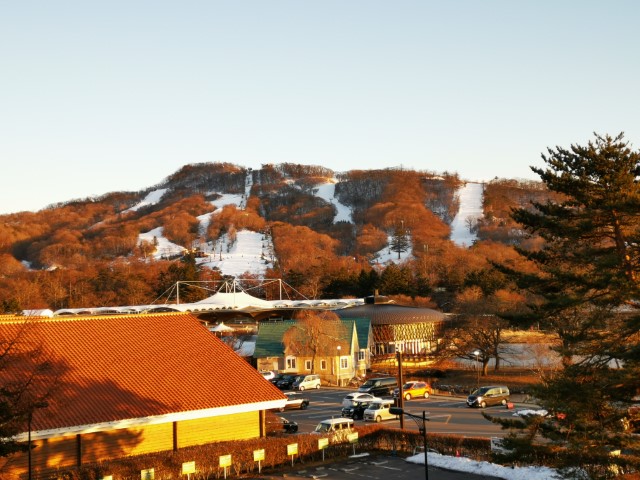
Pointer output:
x,y
338,367
477,353
29,419
421,422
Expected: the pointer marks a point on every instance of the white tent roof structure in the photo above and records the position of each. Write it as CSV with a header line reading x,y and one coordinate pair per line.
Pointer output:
x,y
230,296
237,299
221,327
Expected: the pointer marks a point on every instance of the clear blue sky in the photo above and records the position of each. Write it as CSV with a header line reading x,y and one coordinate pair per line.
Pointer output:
x,y
117,95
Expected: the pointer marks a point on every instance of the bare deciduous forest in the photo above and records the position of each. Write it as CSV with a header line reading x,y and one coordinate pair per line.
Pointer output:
x,y
86,252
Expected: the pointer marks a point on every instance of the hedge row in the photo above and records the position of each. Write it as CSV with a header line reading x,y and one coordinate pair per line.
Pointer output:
x,y
168,465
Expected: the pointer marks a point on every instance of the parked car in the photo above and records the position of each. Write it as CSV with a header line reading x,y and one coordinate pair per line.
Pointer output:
x,y
352,398
487,396
378,410
268,374
356,411
304,382
413,390
277,377
379,387
337,429
289,426
286,382
278,425
295,400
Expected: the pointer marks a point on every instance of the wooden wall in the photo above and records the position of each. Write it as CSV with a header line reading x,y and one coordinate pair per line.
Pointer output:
x,y
73,450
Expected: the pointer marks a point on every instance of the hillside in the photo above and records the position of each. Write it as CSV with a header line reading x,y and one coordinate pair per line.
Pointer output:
x,y
324,233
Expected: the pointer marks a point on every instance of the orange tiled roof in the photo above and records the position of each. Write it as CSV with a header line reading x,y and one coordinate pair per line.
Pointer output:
x,y
135,366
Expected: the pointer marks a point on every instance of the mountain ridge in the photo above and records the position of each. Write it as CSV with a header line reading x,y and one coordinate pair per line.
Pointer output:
x,y
322,227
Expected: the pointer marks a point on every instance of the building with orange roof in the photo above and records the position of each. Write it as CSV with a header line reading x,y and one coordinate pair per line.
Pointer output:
x,y
131,384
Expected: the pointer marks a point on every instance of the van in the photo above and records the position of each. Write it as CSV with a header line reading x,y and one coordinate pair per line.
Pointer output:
x,y
378,410
487,396
379,387
336,428
305,382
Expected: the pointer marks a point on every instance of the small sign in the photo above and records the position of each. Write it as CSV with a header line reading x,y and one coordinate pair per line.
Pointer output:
x,y
225,461
148,474
497,446
353,437
107,477
188,467
292,449
258,455
323,443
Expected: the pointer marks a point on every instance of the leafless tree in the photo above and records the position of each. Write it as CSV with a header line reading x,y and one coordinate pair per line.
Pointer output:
x,y
315,334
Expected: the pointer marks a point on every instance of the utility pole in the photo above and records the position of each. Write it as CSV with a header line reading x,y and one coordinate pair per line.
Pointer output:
x,y
400,399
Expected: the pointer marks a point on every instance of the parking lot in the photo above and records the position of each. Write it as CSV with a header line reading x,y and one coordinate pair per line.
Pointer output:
x,y
446,414
371,467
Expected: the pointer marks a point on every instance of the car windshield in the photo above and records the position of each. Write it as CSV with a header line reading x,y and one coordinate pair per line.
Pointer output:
x,y
322,428
480,391
407,386
368,383
375,406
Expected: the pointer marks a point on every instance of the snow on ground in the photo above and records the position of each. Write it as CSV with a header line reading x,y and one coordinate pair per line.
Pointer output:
x,y
386,256
151,199
462,464
225,199
470,197
326,191
251,252
165,248
228,199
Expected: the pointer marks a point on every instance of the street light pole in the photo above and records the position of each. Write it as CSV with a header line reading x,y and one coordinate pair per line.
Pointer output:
x,y
400,399
338,367
476,353
422,428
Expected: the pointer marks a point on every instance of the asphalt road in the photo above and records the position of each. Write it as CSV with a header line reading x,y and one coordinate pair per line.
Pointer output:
x,y
380,467
445,414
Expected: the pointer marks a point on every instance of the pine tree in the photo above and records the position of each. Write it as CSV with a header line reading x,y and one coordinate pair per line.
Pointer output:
x,y
400,241
587,270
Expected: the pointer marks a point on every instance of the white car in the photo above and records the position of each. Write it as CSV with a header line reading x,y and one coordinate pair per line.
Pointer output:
x,y
268,374
351,399
378,411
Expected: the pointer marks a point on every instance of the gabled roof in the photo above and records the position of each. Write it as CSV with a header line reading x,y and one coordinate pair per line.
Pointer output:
x,y
139,369
363,329
269,342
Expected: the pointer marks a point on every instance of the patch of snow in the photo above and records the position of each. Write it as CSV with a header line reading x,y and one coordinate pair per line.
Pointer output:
x,y
239,201
326,191
229,199
165,248
529,411
251,252
463,464
470,210
386,256
151,199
